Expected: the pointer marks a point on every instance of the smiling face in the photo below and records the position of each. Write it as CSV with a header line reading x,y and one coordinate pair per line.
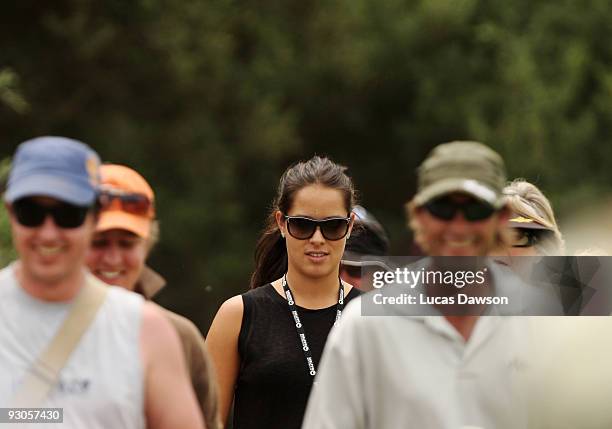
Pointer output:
x,y
117,257
49,254
315,257
458,236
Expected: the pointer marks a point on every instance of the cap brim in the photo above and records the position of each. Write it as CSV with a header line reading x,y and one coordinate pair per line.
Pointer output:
x,y
43,185
114,219
525,223
360,260
467,186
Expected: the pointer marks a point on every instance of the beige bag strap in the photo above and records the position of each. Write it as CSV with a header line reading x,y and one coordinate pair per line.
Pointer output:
x,y
44,372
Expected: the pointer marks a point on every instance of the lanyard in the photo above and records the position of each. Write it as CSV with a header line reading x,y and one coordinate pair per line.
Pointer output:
x,y
300,328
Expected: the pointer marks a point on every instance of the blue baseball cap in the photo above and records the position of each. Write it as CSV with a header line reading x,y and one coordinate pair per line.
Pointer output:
x,y
55,167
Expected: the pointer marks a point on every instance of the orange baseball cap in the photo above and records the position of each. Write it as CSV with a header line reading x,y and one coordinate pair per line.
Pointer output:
x,y
127,201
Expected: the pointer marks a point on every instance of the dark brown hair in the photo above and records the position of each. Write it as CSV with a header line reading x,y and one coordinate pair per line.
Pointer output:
x,y
271,250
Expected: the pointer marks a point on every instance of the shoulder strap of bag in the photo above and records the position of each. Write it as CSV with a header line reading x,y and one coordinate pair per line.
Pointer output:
x,y
44,372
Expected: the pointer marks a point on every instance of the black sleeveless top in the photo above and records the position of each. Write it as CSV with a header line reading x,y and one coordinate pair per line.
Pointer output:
x,y
273,383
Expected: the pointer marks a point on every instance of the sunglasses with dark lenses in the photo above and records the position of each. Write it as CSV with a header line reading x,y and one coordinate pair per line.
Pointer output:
x,y
523,237
303,228
446,209
31,214
137,204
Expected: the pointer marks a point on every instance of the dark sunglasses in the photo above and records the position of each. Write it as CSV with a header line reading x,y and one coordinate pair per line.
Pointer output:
x,y
31,214
304,228
446,209
137,204
523,237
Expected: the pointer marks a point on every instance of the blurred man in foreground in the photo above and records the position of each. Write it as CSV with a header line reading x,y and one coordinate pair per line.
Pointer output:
x,y
446,371
103,355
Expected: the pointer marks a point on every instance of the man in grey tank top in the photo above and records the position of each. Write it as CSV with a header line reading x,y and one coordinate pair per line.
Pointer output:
x,y
126,370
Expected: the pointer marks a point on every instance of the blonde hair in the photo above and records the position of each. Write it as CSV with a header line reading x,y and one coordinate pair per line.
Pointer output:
x,y
526,200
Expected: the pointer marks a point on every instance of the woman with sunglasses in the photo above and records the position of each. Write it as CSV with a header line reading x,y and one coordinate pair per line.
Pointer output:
x,y
125,234
266,343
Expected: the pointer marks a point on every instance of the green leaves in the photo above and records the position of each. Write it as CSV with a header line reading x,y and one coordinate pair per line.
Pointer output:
x,y
212,100
10,94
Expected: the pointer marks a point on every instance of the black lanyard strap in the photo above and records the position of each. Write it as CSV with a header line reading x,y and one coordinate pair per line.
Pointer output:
x,y
300,327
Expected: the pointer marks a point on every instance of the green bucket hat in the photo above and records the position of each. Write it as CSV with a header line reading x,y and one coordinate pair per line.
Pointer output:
x,y
462,166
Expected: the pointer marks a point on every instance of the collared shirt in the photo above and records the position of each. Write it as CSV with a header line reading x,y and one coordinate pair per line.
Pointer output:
x,y
418,372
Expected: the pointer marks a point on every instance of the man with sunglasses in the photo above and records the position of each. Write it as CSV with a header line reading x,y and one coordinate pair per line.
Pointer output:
x,y
441,370
123,368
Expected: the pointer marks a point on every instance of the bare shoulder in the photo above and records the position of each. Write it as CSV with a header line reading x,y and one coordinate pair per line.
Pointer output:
x,y
156,331
232,307
153,317
230,313
222,337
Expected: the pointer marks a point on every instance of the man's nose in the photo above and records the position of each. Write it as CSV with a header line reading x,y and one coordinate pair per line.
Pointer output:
x,y
48,229
459,221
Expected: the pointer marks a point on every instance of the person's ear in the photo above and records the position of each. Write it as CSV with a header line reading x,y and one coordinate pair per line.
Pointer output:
x,y
11,213
280,222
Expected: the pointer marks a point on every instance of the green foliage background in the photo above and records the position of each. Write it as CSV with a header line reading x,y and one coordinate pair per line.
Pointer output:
x,y
212,100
